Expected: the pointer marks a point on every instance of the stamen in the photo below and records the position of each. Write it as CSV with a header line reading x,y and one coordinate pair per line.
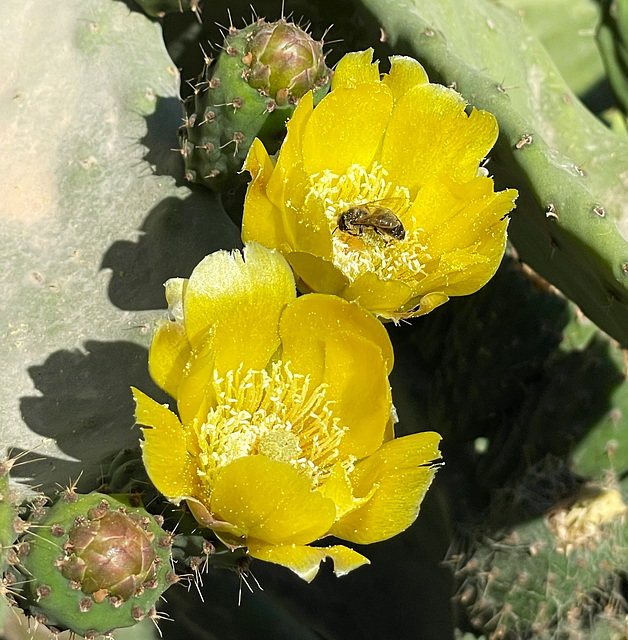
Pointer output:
x,y
275,413
370,250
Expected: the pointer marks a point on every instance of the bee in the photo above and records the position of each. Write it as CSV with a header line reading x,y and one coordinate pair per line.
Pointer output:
x,y
371,214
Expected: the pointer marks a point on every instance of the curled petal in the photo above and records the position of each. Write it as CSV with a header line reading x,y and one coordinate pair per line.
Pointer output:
x,y
380,296
401,473
164,449
169,353
405,73
305,561
196,393
356,68
263,221
289,180
317,273
241,297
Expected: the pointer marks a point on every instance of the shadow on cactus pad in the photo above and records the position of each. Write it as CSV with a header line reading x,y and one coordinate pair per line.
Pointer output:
x,y
161,139
175,237
86,406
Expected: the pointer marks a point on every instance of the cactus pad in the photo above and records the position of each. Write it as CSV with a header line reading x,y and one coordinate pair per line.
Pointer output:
x,y
96,564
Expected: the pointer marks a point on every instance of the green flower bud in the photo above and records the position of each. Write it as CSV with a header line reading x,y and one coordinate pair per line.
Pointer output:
x,y
285,61
95,564
112,552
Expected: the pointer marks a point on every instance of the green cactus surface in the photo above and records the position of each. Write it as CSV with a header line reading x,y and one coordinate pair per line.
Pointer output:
x,y
529,394
555,577
160,8
531,399
93,224
8,514
570,223
249,91
612,39
566,29
95,564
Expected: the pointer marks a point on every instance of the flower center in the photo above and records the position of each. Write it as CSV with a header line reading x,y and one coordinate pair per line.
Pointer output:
x,y
373,243
275,413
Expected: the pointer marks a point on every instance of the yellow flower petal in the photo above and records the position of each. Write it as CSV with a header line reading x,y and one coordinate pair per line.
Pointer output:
x,y
373,141
288,182
175,290
356,68
164,449
270,501
465,226
357,379
405,73
305,561
338,488
454,215
169,352
241,296
377,295
310,320
195,394
333,143
262,220
318,274
429,133
424,304
401,482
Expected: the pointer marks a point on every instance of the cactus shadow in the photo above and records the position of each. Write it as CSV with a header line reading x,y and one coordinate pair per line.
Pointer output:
x,y
161,140
87,407
175,237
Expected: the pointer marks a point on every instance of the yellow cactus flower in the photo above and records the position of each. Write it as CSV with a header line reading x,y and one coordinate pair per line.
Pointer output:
x,y
377,194
283,432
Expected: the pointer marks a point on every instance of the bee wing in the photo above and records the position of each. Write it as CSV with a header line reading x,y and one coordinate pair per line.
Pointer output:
x,y
380,218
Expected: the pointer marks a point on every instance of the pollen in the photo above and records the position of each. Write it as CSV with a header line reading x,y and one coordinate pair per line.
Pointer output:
x,y
271,412
370,250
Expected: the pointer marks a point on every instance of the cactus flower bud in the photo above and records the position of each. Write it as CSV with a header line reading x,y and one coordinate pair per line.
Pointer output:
x,y
96,564
249,91
285,61
112,552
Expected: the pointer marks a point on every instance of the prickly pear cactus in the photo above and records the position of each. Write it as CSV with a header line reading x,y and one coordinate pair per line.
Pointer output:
x,y
249,91
94,565
8,515
93,223
529,395
554,577
533,401
571,222
565,28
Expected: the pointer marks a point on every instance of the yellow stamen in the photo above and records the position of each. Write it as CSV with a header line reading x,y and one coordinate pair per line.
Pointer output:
x,y
274,413
369,251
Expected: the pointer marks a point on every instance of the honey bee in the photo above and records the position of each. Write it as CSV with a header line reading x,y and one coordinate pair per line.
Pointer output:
x,y
371,214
